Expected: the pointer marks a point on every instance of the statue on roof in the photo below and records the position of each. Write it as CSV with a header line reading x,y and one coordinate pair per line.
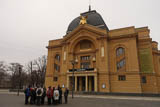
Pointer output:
x,y
83,20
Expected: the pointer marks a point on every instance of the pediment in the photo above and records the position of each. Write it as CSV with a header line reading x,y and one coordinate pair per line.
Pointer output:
x,y
81,29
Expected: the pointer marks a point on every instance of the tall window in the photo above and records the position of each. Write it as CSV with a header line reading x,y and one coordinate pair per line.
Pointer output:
x,y
57,67
57,63
120,51
57,57
120,59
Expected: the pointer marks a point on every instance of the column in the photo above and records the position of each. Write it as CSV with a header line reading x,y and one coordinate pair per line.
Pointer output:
x,y
86,83
75,83
95,83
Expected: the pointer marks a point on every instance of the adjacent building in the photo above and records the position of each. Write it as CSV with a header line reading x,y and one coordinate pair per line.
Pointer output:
x,y
91,57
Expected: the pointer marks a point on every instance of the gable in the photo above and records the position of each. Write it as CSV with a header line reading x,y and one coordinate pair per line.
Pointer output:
x,y
85,30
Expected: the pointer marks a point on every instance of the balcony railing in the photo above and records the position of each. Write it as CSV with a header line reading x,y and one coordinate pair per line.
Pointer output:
x,y
81,69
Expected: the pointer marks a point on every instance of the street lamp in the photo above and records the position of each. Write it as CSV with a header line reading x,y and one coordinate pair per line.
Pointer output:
x,y
73,70
19,70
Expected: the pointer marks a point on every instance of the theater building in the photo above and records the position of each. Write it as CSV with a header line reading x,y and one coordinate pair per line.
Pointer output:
x,y
91,57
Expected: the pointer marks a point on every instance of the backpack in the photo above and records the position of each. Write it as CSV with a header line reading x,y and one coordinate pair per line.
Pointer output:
x,y
56,95
39,91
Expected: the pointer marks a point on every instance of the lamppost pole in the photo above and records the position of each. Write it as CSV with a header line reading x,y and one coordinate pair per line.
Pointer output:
x,y
19,70
73,79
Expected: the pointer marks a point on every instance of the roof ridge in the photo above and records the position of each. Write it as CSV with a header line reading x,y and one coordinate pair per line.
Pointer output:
x,y
93,11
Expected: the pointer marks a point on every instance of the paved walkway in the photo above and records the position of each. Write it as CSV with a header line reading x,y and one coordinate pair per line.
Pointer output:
x,y
12,100
99,96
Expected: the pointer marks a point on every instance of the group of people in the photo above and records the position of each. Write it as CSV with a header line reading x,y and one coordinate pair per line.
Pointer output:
x,y
37,95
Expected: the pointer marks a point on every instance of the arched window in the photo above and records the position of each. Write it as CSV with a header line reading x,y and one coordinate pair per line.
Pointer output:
x,y
120,59
57,57
119,51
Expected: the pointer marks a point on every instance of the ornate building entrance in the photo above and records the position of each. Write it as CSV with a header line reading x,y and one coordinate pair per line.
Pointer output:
x,y
82,83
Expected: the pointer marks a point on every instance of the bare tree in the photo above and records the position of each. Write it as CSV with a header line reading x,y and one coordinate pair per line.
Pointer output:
x,y
19,77
40,64
2,72
13,68
36,71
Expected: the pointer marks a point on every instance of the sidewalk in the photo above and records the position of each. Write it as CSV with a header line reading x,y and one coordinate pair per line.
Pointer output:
x,y
98,96
4,90
120,97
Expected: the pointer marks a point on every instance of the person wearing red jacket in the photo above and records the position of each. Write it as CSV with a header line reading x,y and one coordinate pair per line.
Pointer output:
x,y
49,95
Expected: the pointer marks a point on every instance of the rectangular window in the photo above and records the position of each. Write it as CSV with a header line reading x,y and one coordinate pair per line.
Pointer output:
x,y
144,80
85,65
85,58
55,78
121,77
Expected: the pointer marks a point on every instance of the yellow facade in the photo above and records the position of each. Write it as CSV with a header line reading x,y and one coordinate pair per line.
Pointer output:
x,y
123,60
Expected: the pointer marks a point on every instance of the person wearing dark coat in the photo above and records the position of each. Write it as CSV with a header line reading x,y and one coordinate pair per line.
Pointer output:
x,y
43,96
32,95
27,94
60,95
53,101
66,95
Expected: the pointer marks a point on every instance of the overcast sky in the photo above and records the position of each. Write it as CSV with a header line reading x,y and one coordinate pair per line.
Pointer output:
x,y
26,26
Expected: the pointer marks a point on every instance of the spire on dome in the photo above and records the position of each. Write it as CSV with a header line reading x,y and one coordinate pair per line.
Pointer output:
x,y
89,5
89,8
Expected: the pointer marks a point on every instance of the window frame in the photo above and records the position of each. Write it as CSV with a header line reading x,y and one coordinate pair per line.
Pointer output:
x,y
120,59
121,77
57,57
55,79
120,51
144,79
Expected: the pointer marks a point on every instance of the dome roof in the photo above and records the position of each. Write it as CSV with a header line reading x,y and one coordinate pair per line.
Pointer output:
x,y
93,18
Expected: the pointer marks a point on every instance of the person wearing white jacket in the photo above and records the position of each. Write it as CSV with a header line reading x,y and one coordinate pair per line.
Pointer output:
x,y
56,96
39,93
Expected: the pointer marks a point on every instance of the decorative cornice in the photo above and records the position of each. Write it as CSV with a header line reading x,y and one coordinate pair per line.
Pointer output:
x,y
122,36
55,46
155,52
103,37
83,52
145,40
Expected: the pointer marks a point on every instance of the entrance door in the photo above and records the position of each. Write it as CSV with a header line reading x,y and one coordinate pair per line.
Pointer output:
x,y
71,83
91,83
81,83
